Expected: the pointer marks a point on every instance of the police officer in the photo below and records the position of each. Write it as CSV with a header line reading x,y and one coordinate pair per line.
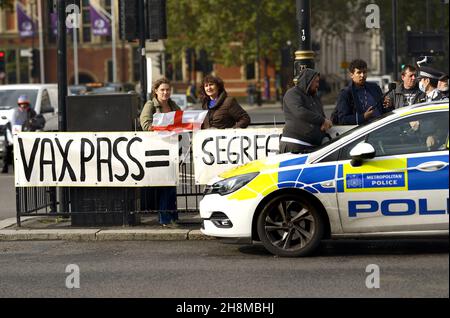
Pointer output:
x,y
428,82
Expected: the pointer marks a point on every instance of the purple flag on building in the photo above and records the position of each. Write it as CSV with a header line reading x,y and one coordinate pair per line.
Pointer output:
x,y
24,22
54,23
99,23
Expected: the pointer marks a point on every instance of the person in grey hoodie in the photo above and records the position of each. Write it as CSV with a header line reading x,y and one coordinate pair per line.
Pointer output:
x,y
306,124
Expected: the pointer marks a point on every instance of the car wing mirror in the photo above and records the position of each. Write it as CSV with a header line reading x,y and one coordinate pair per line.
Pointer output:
x,y
361,152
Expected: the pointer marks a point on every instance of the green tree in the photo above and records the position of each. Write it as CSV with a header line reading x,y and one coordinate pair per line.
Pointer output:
x,y
229,30
6,4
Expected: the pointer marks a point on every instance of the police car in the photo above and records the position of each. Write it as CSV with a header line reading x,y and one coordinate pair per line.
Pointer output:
x,y
388,178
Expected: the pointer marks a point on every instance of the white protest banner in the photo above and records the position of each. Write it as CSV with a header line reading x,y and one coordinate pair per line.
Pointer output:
x,y
86,159
218,150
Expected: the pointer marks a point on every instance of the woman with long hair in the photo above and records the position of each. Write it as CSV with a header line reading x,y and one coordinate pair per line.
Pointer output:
x,y
164,197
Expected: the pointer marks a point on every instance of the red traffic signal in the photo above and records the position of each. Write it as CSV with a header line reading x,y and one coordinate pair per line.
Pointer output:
x,y
2,62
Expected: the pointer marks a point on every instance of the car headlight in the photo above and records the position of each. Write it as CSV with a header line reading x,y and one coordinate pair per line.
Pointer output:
x,y
230,185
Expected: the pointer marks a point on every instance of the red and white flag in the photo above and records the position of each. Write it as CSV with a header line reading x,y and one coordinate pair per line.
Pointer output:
x,y
179,121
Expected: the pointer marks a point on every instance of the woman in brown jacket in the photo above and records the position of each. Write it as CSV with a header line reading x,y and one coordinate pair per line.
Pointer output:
x,y
223,110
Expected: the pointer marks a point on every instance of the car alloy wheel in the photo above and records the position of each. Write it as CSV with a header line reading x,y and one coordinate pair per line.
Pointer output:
x,y
290,226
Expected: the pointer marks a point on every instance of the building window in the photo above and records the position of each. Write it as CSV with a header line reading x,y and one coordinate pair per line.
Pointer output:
x,y
136,65
52,25
110,71
11,68
24,70
250,71
178,71
108,9
86,22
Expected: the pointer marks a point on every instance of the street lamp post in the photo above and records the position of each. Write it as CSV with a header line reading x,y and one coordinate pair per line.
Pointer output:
x,y
143,64
304,56
62,86
394,40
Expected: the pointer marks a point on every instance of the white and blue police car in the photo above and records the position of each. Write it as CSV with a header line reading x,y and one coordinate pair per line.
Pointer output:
x,y
385,179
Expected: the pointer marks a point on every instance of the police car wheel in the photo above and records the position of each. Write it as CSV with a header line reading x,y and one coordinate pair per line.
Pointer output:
x,y
290,226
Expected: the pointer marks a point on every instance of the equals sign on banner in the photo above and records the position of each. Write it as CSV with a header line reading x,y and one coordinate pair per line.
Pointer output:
x,y
153,164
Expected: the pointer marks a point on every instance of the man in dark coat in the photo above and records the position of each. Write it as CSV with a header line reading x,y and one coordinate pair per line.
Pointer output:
x,y
306,124
406,92
361,101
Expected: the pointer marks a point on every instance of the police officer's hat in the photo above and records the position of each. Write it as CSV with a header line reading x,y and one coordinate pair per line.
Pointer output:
x,y
444,77
428,72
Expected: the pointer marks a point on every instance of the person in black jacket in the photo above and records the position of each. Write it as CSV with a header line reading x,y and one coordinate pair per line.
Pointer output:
x,y
406,93
361,101
306,124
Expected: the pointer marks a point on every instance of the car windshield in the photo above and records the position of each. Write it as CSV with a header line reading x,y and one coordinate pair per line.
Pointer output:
x,y
8,97
348,132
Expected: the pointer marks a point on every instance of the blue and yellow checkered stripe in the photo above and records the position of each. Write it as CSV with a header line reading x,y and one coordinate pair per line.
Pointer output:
x,y
398,174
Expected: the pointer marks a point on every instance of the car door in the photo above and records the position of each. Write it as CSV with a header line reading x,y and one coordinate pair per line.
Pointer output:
x,y
405,186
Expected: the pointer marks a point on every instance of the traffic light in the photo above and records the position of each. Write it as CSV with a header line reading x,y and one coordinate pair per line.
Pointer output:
x,y
128,20
35,63
2,62
156,20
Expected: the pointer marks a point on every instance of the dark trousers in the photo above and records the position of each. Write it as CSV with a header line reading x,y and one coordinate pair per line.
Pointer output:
x,y
161,199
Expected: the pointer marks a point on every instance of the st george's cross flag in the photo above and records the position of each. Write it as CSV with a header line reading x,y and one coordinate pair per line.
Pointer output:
x,y
179,121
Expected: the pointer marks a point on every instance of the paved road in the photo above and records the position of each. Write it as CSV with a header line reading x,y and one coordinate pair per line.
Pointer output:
x,y
213,269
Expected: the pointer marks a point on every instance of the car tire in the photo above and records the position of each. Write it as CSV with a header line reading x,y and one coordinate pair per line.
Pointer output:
x,y
290,226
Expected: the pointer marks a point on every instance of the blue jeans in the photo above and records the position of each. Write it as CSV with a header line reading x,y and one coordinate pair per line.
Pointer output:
x,y
167,201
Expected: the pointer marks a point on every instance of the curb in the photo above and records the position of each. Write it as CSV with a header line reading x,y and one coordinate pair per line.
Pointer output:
x,y
142,235
197,235
47,235
102,235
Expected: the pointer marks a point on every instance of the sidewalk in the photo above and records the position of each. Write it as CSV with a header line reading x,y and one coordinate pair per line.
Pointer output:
x,y
57,228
